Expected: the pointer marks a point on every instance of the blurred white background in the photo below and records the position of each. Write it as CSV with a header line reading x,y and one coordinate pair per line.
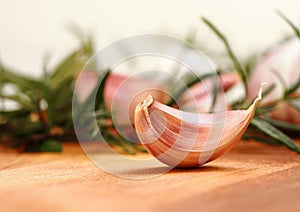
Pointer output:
x,y
32,28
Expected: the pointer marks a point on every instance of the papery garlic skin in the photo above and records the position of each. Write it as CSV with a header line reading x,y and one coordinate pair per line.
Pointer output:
x,y
285,59
182,139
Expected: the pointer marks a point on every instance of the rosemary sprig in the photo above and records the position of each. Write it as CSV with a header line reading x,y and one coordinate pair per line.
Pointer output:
x,y
238,66
269,89
56,86
41,124
98,93
189,80
290,23
282,124
48,98
264,125
294,105
294,87
274,133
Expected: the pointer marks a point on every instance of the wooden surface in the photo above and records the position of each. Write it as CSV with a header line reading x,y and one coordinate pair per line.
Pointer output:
x,y
252,177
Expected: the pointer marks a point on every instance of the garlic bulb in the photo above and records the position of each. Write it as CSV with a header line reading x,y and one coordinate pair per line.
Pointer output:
x,y
285,60
183,139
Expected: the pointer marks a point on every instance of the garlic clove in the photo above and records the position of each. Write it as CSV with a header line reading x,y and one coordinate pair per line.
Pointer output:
x,y
183,139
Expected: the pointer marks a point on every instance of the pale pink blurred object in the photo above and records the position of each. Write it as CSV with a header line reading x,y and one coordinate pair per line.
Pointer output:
x,y
199,97
285,60
123,93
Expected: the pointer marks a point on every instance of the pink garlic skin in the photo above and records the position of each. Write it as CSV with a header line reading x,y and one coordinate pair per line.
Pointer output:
x,y
122,94
199,97
286,60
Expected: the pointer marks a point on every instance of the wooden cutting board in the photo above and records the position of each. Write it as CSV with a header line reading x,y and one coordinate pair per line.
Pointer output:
x,y
252,176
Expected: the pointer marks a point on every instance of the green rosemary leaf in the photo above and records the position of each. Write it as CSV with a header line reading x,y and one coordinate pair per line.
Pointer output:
x,y
280,78
79,56
264,109
189,82
77,32
98,92
100,101
215,93
269,89
294,87
48,98
16,114
69,71
274,133
116,140
294,105
55,87
23,83
259,138
191,37
71,65
289,22
101,114
250,63
238,66
23,100
51,145
62,100
282,124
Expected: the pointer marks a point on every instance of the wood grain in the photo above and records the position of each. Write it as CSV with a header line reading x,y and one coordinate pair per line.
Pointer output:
x,y
251,177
